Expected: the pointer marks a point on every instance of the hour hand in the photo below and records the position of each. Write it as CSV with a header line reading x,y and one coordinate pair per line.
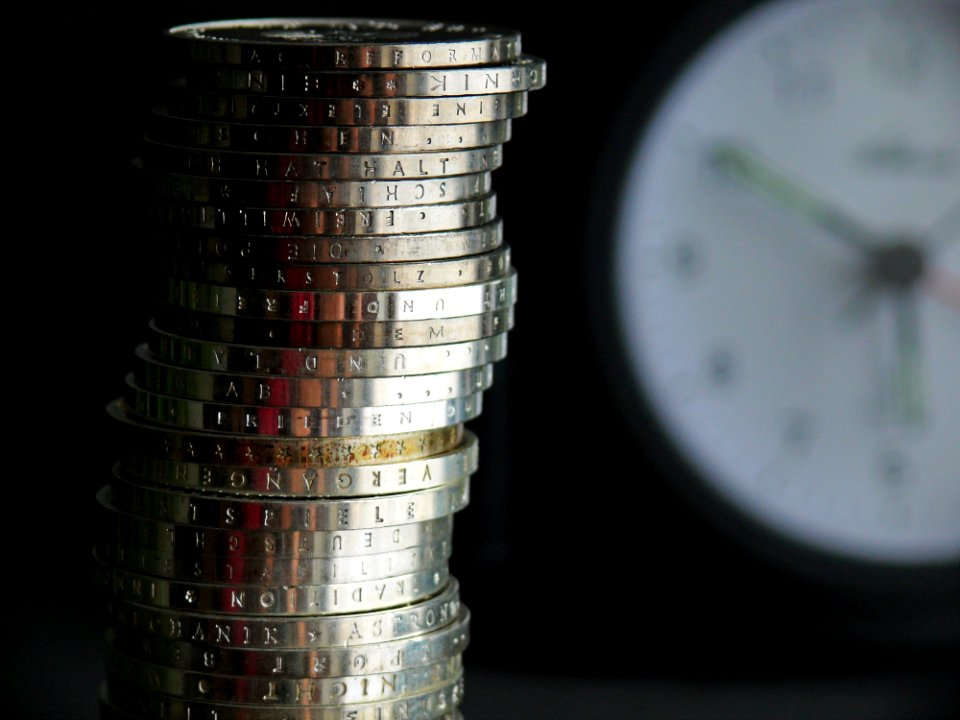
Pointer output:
x,y
751,171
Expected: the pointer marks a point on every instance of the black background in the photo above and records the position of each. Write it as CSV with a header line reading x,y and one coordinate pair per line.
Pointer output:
x,y
580,555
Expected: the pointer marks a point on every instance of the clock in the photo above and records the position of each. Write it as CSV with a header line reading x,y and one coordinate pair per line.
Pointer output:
x,y
782,258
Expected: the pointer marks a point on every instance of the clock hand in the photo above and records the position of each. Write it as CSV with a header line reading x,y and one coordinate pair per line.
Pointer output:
x,y
944,286
941,284
899,264
750,170
908,376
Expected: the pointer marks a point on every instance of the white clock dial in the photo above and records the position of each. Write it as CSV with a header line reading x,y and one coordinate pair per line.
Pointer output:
x,y
787,273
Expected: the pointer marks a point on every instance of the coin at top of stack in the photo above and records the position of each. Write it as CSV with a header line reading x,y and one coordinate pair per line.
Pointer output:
x,y
278,530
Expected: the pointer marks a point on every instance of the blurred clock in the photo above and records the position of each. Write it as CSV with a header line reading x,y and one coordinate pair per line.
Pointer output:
x,y
784,273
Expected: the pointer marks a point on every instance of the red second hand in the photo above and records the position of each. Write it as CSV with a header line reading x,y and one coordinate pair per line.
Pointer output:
x,y
944,286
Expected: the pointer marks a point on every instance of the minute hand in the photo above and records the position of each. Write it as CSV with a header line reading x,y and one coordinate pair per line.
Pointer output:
x,y
755,174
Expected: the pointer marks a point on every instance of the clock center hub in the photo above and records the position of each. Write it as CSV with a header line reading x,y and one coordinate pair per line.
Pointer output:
x,y
899,264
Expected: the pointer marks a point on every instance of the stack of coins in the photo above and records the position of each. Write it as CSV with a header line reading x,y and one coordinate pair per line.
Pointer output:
x,y
278,530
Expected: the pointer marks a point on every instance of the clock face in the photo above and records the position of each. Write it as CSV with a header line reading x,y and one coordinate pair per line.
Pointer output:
x,y
786,268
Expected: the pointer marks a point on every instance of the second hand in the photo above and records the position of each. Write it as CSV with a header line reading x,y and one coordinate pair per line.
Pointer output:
x,y
908,375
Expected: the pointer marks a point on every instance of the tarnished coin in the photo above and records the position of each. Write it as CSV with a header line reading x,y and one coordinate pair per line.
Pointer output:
x,y
183,445
317,482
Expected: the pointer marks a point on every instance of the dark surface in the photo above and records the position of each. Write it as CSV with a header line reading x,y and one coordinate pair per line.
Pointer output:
x,y
596,589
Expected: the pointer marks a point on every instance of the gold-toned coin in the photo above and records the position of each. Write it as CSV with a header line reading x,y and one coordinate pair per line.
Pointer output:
x,y
384,478
180,445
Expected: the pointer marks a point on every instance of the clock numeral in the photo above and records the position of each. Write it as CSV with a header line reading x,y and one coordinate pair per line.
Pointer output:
x,y
685,257
722,367
799,432
797,81
898,53
892,468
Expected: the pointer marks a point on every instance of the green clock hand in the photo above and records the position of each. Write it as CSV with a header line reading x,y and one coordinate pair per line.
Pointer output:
x,y
748,169
909,371
897,266
944,286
